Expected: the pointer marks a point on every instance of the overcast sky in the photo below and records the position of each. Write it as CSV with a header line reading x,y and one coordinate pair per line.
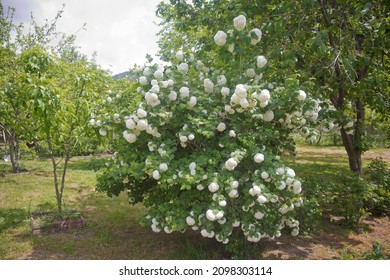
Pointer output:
x,y
122,32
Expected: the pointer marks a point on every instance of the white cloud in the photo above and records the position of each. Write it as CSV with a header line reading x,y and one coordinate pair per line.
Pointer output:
x,y
122,32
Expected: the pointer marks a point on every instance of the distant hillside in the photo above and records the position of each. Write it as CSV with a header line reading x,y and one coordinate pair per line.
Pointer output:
x,y
121,75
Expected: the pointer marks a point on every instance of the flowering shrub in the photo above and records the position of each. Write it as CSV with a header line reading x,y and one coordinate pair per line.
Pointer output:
x,y
200,149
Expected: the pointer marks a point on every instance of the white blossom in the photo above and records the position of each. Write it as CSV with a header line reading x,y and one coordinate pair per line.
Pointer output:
x,y
172,95
130,124
250,72
222,203
143,80
230,164
190,221
259,158
232,133
301,95
234,184
102,132
191,137
290,172
163,167
261,61
213,187
183,138
262,199
221,127
259,215
156,175
239,22
141,113
179,55
208,85
220,38
264,95
240,91
158,75
225,91
184,92
258,33
130,137
233,193
183,68
268,116
221,80
192,101
210,215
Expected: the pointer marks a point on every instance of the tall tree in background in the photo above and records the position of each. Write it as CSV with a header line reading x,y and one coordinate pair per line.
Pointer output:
x,y
337,49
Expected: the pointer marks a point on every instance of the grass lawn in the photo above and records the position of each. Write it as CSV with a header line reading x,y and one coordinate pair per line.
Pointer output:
x,y
112,230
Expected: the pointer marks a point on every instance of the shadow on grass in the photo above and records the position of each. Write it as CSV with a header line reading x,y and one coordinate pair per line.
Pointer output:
x,y
87,164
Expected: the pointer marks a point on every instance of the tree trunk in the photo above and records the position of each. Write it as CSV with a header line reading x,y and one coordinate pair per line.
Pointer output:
x,y
14,151
55,174
354,154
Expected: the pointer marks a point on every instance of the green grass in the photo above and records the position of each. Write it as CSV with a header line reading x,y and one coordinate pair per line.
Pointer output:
x,y
112,230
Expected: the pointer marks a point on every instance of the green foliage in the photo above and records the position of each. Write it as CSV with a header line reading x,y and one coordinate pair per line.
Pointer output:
x,y
378,202
376,253
342,198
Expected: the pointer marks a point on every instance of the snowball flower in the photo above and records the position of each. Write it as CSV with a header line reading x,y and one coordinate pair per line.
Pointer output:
x,y
258,215
192,166
210,215
213,187
156,175
244,103
290,172
190,221
141,113
259,158
130,124
264,95
191,137
142,125
250,72
234,184
221,80
258,34
200,187
183,138
297,187
208,85
222,203
147,71
102,132
240,91
232,133
220,38
192,101
301,95
143,80
268,116
225,91
130,137
183,68
262,199
261,61
163,167
280,171
184,92
155,228
172,95
294,232
233,193
230,164
264,175
221,127
158,74
179,55
239,22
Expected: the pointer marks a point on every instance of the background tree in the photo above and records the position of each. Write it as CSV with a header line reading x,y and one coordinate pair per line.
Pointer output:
x,y
341,47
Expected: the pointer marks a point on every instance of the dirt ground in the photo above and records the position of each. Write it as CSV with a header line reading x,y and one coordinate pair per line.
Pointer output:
x,y
332,242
